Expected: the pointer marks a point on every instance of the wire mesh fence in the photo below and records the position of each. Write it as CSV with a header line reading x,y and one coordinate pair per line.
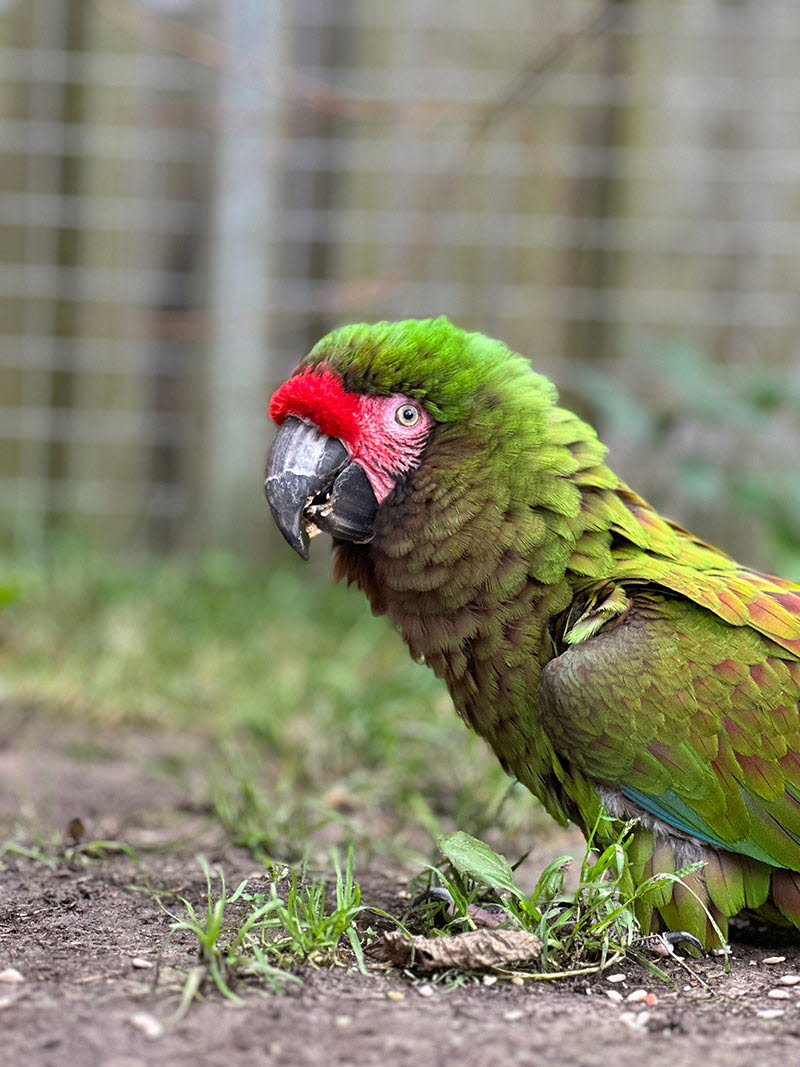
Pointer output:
x,y
192,192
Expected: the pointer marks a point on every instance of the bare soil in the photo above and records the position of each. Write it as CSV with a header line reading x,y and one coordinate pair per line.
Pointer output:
x,y
72,929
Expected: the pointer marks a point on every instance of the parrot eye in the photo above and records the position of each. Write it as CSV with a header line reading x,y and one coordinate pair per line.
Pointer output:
x,y
407,415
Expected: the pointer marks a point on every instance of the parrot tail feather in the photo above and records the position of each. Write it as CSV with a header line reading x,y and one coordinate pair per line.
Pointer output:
x,y
785,894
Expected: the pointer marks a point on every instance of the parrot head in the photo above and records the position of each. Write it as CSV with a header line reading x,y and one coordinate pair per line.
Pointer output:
x,y
338,455
359,415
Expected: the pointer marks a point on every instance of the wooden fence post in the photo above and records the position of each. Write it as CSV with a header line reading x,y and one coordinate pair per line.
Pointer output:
x,y
241,273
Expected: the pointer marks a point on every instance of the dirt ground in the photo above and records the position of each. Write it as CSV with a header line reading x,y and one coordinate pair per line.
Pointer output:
x,y
81,936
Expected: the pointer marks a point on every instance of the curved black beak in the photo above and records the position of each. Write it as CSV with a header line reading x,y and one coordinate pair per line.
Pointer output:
x,y
311,485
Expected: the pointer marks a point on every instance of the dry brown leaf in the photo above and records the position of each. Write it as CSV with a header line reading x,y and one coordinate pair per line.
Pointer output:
x,y
468,951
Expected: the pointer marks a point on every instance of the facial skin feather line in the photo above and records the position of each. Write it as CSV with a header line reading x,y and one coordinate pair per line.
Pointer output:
x,y
614,662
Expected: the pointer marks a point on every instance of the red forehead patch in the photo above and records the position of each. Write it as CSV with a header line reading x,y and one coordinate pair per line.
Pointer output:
x,y
320,397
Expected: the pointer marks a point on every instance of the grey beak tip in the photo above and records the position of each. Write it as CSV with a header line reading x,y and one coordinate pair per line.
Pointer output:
x,y
297,541
286,513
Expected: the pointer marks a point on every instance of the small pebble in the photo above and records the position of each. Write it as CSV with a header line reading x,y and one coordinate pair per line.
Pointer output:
x,y
395,994
6,1002
636,1020
518,980
342,1021
770,1013
616,977
148,1024
11,974
651,999
489,979
612,994
779,994
425,990
790,979
140,964
637,995
774,959
513,1016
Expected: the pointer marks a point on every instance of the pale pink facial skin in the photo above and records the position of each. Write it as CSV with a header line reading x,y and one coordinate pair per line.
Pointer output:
x,y
368,426
385,448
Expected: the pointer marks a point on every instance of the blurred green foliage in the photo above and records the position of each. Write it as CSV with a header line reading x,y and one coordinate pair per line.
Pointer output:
x,y
714,444
309,719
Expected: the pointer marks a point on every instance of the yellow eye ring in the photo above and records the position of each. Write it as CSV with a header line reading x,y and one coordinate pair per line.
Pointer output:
x,y
407,415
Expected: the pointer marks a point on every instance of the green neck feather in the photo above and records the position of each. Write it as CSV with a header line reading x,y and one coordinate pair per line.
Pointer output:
x,y
511,513
482,546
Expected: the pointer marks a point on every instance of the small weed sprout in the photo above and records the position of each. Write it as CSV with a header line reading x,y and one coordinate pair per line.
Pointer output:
x,y
245,935
582,931
52,851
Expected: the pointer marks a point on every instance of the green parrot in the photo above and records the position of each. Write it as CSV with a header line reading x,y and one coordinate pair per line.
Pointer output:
x,y
615,663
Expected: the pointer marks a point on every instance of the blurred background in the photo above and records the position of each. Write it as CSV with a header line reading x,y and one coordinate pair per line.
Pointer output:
x,y
193,191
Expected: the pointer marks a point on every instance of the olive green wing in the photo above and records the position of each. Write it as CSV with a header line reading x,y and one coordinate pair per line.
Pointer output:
x,y
689,718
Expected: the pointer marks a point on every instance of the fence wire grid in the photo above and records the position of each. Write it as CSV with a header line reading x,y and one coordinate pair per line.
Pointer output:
x,y
193,191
